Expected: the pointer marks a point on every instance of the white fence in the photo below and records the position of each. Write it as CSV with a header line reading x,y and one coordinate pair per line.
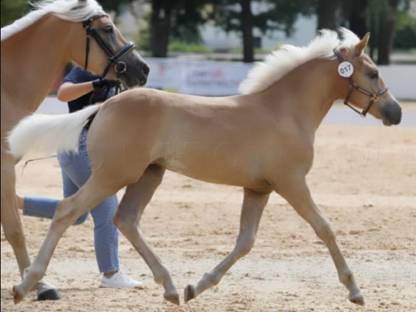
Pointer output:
x,y
222,78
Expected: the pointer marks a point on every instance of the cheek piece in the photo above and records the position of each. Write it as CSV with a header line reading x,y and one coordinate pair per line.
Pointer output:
x,y
345,70
120,67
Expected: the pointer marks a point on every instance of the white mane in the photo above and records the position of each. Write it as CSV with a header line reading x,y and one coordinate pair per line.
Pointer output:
x,y
70,10
282,61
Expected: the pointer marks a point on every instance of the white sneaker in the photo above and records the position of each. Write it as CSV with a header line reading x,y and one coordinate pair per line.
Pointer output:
x,y
120,280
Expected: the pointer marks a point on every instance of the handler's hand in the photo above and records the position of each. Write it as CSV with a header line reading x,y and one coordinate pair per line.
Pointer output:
x,y
101,83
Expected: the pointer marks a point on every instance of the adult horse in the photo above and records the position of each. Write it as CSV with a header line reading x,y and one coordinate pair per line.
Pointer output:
x,y
34,52
261,140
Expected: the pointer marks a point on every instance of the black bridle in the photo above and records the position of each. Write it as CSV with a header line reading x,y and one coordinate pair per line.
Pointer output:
x,y
373,97
120,67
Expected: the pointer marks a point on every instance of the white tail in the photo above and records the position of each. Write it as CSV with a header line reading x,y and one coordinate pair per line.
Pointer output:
x,y
46,134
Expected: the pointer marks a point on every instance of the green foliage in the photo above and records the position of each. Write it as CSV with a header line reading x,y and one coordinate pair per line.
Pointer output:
x,y
188,15
274,15
113,6
12,10
186,47
143,39
405,31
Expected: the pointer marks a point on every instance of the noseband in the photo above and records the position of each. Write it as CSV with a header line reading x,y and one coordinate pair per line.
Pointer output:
x,y
373,97
120,67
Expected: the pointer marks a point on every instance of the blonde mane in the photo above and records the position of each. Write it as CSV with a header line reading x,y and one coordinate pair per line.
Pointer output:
x,y
282,61
70,10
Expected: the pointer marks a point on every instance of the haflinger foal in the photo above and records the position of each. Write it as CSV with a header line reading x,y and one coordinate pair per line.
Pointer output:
x,y
261,140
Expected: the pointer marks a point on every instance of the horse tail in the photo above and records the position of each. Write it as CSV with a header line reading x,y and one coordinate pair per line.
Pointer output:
x,y
47,134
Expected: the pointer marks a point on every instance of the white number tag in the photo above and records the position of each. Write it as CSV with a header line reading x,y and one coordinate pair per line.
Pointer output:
x,y
345,69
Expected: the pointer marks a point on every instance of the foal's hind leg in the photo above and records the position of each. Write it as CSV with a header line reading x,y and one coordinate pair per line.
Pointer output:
x,y
251,213
127,219
296,192
68,211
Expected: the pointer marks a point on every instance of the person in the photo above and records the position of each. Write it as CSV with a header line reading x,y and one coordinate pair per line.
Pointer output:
x,y
81,88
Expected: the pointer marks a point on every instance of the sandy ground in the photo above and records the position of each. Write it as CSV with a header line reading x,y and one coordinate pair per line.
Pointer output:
x,y
364,181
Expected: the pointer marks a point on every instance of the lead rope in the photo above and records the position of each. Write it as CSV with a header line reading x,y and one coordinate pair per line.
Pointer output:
x,y
35,159
87,52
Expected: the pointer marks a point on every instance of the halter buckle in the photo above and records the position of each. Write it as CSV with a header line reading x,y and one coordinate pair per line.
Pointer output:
x,y
120,67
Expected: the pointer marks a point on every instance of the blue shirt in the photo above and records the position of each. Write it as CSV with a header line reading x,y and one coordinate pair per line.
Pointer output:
x,y
78,75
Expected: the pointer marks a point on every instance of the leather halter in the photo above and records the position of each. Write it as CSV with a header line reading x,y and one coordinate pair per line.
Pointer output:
x,y
373,97
120,67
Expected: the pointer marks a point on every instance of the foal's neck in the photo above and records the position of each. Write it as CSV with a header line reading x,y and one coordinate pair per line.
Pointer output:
x,y
308,92
34,59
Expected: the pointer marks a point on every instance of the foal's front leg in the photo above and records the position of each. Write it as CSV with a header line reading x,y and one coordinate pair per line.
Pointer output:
x,y
296,192
251,213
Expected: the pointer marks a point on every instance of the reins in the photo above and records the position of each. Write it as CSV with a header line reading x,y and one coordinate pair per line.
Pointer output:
x,y
35,159
373,97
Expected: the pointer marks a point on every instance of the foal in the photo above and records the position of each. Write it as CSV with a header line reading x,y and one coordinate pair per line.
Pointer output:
x,y
262,141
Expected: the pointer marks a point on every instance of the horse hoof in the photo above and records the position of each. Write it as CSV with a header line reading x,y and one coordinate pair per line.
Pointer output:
x,y
357,299
17,294
49,294
172,297
189,293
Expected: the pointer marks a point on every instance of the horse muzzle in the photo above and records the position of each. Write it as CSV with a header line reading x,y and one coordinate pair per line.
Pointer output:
x,y
391,113
133,71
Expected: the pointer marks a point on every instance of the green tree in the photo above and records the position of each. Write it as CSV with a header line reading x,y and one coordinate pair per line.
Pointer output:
x,y
175,18
356,13
328,13
114,6
12,10
377,16
405,31
387,28
247,23
270,15
382,24
160,26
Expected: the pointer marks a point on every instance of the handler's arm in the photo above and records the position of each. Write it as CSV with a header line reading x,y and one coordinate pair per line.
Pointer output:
x,y
69,91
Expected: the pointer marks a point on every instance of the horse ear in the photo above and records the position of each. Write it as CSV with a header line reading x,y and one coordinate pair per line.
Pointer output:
x,y
359,48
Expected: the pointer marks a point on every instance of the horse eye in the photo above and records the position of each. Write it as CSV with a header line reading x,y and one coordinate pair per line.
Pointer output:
x,y
109,29
373,74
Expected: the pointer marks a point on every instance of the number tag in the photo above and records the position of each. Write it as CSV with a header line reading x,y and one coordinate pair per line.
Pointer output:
x,y
345,69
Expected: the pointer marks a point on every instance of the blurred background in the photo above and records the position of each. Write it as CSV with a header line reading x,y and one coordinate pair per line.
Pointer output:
x,y
207,46
246,29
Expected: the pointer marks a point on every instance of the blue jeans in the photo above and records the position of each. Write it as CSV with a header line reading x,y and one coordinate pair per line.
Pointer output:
x,y
75,172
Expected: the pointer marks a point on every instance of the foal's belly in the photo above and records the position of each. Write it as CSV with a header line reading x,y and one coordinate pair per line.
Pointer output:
x,y
219,172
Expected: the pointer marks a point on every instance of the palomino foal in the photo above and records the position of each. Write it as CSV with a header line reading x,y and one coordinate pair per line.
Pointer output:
x,y
34,52
262,141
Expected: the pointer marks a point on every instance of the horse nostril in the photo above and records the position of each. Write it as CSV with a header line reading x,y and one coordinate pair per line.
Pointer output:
x,y
146,69
398,116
